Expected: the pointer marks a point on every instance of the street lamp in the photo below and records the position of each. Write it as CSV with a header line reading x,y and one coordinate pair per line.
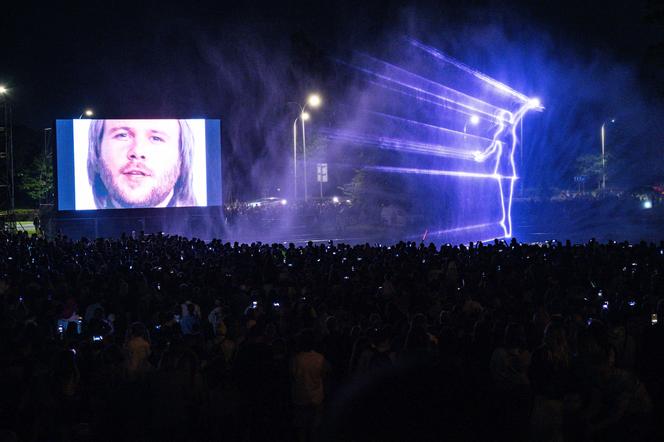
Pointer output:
x,y
613,120
313,101
3,90
88,113
474,120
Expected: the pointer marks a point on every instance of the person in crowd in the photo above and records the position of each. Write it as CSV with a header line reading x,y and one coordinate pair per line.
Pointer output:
x,y
98,327
308,370
138,350
512,391
191,322
550,379
651,364
216,319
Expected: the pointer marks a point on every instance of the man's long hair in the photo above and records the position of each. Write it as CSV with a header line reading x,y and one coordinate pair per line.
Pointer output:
x,y
183,191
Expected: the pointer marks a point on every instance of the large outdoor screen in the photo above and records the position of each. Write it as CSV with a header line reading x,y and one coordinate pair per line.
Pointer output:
x,y
129,164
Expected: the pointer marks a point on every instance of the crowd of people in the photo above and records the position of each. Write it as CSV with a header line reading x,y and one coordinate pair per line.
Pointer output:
x,y
155,337
317,214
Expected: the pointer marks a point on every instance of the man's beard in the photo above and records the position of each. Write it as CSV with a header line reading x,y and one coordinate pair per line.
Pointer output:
x,y
122,195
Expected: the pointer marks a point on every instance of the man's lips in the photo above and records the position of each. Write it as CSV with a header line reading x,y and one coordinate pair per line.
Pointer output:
x,y
132,171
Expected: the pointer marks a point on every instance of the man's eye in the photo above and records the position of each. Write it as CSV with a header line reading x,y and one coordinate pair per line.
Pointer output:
x,y
157,139
121,135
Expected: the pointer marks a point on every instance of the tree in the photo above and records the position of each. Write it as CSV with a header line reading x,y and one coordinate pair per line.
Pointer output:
x,y
377,188
37,181
591,166
354,189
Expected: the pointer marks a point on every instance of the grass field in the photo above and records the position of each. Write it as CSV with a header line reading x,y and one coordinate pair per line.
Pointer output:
x,y
24,214
25,226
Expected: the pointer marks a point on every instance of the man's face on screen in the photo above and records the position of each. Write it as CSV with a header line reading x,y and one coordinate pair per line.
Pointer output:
x,y
140,161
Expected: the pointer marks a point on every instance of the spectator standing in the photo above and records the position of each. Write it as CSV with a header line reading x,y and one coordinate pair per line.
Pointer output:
x,y
308,370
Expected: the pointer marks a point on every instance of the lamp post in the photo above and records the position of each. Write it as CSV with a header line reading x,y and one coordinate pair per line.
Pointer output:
x,y
313,101
88,113
7,146
295,158
603,135
304,116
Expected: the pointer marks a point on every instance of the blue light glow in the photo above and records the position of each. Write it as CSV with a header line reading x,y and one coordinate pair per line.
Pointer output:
x,y
446,97
456,126
477,74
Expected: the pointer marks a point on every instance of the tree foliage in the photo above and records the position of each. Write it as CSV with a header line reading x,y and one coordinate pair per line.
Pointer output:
x,y
592,167
37,181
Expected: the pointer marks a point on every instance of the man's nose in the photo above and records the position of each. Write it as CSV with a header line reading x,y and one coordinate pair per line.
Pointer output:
x,y
137,151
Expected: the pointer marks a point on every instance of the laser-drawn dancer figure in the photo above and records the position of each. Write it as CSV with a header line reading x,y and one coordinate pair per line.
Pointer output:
x,y
504,147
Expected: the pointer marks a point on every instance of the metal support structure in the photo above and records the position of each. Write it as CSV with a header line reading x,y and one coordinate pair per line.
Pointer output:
x,y
304,159
522,145
295,159
7,205
603,161
48,158
603,135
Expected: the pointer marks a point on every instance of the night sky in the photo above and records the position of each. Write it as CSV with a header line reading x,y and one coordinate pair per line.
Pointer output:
x,y
243,63
58,59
